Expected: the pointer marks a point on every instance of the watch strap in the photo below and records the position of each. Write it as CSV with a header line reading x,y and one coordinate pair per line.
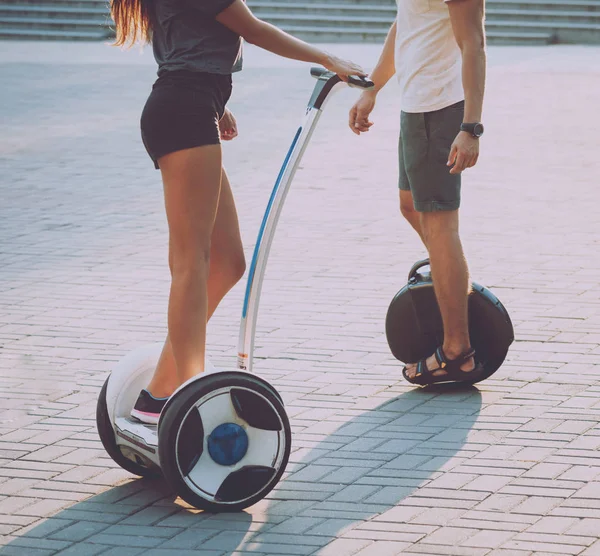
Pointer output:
x,y
471,127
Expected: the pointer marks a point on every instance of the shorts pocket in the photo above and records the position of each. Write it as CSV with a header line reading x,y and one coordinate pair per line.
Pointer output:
x,y
444,126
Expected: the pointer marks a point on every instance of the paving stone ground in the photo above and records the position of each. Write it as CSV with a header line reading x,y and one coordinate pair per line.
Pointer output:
x,y
507,468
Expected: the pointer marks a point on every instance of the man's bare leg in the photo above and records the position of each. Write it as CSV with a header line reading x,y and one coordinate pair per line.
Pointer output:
x,y
407,208
451,283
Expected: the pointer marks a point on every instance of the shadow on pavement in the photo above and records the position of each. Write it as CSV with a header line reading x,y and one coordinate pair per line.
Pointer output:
x,y
352,483
368,470
140,517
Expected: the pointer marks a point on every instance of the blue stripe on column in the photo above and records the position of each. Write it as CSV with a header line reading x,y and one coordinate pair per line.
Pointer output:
x,y
264,222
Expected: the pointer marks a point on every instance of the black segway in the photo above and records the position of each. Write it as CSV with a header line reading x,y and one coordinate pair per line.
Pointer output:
x,y
223,438
414,327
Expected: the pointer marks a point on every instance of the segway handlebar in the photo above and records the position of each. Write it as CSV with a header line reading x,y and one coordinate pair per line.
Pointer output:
x,y
353,80
327,83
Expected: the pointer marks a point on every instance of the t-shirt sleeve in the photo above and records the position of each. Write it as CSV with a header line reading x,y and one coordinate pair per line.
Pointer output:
x,y
211,8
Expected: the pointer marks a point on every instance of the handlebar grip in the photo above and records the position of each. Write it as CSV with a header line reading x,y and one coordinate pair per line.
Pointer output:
x,y
353,80
360,82
318,72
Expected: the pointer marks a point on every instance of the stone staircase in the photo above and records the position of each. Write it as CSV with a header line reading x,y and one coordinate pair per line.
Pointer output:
x,y
55,20
507,21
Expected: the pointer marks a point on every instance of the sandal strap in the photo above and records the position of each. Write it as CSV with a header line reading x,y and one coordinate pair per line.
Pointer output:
x,y
465,355
422,369
453,366
441,358
424,374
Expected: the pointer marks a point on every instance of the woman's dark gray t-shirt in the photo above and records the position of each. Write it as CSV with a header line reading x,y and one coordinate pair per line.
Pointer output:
x,y
186,36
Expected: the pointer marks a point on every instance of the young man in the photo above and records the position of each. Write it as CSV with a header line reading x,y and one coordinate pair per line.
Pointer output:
x,y
437,49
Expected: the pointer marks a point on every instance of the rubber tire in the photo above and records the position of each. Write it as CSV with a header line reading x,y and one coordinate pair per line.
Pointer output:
x,y
492,366
171,421
408,305
107,436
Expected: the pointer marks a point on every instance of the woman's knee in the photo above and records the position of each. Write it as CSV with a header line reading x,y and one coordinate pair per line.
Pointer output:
x,y
238,266
189,261
230,265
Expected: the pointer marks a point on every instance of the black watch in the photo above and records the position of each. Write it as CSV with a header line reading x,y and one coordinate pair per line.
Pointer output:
x,y
476,130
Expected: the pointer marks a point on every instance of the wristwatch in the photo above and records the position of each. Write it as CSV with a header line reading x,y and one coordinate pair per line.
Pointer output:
x,y
476,129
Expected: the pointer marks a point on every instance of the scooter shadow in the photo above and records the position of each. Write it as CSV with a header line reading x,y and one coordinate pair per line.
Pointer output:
x,y
373,460
142,516
377,460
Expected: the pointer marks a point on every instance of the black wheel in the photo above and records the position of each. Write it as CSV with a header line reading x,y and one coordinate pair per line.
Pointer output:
x,y
134,464
414,325
490,328
224,441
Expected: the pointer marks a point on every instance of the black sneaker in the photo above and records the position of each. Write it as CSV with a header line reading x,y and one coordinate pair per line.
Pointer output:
x,y
147,408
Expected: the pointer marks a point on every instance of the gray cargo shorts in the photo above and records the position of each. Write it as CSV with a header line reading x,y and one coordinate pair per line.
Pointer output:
x,y
423,149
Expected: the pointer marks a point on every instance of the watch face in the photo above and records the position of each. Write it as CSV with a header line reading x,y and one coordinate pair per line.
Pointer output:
x,y
478,130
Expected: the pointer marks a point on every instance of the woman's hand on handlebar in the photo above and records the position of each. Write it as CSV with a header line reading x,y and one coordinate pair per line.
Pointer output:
x,y
343,68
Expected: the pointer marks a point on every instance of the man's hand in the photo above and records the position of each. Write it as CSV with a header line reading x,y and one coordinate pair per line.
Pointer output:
x,y
228,126
359,114
463,153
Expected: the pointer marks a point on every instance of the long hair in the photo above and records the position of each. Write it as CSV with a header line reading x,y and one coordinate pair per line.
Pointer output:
x,y
133,20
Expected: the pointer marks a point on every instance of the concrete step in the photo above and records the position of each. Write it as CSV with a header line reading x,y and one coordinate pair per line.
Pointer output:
x,y
518,38
567,33
367,9
527,25
30,24
535,21
556,18
327,12
546,5
261,7
252,3
385,5
74,3
328,20
354,35
550,4
553,17
508,21
9,33
54,11
278,13
321,33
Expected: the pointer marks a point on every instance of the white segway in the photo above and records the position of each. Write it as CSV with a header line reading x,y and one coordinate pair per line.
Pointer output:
x,y
223,438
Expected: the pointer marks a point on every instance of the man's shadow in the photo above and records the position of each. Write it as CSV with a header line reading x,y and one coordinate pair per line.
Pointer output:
x,y
380,468
350,470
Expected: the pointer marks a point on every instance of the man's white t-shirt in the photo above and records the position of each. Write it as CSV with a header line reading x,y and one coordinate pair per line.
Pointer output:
x,y
428,60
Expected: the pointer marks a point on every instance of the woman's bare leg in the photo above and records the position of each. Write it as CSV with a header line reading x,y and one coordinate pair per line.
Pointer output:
x,y
227,261
192,185
227,266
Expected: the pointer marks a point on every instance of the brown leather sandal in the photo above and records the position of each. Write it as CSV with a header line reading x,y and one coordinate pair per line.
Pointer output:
x,y
451,368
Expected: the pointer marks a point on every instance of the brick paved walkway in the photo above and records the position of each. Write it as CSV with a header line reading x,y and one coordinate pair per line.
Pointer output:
x,y
508,468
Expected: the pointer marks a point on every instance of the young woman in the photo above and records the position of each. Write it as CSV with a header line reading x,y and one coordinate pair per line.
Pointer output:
x,y
197,45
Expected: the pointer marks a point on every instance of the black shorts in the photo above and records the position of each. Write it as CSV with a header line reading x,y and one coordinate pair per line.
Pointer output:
x,y
183,111
424,147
